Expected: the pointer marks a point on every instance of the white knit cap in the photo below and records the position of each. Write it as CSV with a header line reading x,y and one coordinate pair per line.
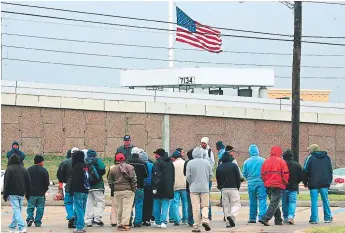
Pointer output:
x,y
74,149
205,140
137,150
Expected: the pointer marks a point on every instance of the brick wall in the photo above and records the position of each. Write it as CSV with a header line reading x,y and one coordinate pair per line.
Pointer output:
x,y
54,131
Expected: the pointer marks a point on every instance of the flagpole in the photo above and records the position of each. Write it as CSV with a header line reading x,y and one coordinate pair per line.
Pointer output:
x,y
171,34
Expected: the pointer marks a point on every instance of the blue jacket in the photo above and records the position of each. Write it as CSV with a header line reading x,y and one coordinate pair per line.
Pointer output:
x,y
148,180
16,151
252,166
318,172
220,153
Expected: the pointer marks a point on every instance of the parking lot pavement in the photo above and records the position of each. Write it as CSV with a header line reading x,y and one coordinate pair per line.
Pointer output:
x,y
54,221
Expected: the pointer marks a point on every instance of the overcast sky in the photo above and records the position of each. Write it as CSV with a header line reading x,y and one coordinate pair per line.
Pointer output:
x,y
318,20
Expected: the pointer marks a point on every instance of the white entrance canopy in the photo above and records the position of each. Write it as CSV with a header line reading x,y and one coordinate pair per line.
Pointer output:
x,y
198,77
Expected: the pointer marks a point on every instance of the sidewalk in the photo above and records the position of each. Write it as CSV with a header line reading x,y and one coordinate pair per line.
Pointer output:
x,y
54,221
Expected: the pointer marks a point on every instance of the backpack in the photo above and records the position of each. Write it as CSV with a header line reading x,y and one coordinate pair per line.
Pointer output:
x,y
209,152
93,173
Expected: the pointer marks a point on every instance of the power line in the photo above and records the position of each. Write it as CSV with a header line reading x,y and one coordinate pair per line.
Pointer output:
x,y
160,59
162,47
161,21
329,3
164,29
118,68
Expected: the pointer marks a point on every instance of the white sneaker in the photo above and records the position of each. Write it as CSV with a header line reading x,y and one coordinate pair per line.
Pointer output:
x,y
156,225
23,231
164,226
11,231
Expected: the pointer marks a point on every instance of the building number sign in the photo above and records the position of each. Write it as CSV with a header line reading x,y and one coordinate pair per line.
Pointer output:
x,y
186,80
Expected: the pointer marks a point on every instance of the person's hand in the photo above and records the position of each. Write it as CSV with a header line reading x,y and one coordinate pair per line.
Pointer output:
x,y
154,191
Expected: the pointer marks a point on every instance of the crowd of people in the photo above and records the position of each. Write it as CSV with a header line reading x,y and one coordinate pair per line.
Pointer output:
x,y
146,192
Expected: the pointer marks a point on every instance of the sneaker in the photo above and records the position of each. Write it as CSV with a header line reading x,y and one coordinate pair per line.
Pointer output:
x,y
265,223
184,222
164,226
278,223
290,221
251,221
23,231
71,222
113,225
30,222
329,221
190,224
89,225
231,221
206,226
196,230
123,228
156,225
171,221
10,230
313,222
100,223
176,224
79,231
147,224
38,225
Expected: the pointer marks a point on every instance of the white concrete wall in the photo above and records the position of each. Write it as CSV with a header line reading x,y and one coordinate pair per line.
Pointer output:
x,y
143,101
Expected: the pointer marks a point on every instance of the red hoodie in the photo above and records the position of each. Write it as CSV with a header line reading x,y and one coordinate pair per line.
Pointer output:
x,y
274,171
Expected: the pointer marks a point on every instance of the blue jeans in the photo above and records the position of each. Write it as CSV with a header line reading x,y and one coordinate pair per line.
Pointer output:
x,y
79,208
190,210
289,204
68,201
37,202
209,205
17,219
180,195
160,209
314,193
171,212
138,203
257,193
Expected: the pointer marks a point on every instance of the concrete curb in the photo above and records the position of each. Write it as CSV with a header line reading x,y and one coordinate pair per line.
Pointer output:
x,y
213,203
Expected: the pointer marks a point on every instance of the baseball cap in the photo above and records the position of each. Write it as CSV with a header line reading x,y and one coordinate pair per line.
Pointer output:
x,y
120,157
127,138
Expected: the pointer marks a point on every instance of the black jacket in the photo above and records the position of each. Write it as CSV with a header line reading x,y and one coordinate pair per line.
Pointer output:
x,y
295,171
163,178
227,174
318,171
64,173
140,168
78,173
40,180
16,179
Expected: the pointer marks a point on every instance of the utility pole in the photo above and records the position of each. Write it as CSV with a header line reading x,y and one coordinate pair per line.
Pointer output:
x,y
296,68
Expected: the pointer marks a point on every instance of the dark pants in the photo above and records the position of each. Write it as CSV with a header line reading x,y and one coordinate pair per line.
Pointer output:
x,y
37,202
190,210
148,204
275,196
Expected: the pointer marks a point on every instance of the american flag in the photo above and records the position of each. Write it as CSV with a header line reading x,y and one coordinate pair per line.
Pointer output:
x,y
196,34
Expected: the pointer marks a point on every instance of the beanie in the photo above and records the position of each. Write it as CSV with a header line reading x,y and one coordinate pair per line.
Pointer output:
x,y
74,149
205,140
91,153
136,150
38,159
220,144
144,157
313,148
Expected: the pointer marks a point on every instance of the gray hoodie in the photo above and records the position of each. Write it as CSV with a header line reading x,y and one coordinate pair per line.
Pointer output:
x,y
199,172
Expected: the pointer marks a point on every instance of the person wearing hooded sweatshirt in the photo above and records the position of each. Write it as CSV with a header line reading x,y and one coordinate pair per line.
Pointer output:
x,y
229,183
79,189
64,175
290,193
39,187
199,174
17,184
256,189
141,173
190,209
148,195
163,180
221,149
318,176
15,150
96,199
179,190
123,181
275,174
